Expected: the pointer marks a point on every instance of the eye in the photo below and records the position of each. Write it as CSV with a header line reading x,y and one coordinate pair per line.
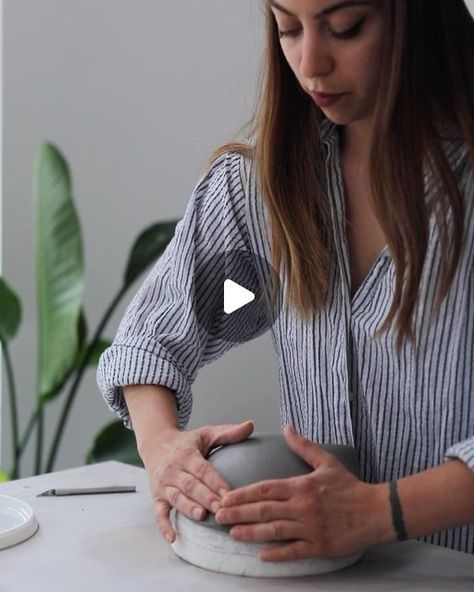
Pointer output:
x,y
348,33
289,32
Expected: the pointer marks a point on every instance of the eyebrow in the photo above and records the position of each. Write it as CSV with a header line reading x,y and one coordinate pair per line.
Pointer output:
x,y
326,11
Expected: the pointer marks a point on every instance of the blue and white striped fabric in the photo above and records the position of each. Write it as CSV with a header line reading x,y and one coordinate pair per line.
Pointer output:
x,y
404,413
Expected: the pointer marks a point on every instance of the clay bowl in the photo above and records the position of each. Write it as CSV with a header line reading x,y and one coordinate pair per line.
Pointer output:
x,y
266,456
207,544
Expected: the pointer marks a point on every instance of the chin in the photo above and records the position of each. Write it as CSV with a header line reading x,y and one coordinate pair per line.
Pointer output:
x,y
337,118
340,118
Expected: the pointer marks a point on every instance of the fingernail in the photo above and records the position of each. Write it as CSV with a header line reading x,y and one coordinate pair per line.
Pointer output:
x,y
223,491
169,537
198,513
215,506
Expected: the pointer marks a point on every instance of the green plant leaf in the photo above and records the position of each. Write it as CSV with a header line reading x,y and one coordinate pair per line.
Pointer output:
x,y
99,348
82,330
114,442
81,350
60,270
82,338
4,477
10,312
149,245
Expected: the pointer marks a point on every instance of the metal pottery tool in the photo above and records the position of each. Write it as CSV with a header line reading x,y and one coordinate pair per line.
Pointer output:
x,y
89,490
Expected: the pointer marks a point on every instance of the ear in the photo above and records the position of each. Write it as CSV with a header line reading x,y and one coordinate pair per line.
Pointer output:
x,y
313,454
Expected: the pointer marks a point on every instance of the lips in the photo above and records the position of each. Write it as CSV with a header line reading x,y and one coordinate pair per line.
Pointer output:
x,y
326,99
324,95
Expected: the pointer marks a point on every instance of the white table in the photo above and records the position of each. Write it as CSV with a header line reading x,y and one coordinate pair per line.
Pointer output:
x,y
102,543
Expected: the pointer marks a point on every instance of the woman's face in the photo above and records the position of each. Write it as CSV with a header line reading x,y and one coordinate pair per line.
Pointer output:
x,y
334,47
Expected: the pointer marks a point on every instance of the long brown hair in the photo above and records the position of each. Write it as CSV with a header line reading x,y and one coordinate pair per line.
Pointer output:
x,y
427,78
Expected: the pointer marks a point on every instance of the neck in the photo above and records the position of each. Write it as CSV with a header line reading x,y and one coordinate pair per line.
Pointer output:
x,y
356,139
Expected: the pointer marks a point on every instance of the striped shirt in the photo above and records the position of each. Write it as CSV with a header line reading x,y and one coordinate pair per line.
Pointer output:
x,y
404,412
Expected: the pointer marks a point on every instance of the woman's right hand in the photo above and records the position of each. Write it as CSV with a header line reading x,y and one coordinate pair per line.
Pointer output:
x,y
180,476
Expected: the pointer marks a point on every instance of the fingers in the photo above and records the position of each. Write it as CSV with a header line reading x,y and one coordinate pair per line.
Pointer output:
x,y
278,530
183,479
184,504
162,512
290,552
198,480
227,433
194,490
272,489
257,512
188,496
194,463
172,497
310,452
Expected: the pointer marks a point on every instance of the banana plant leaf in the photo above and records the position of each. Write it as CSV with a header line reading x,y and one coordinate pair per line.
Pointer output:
x,y
115,442
82,331
149,245
98,350
60,271
100,346
10,312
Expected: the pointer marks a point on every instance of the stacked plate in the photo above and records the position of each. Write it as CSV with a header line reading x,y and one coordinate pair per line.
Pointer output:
x,y
17,521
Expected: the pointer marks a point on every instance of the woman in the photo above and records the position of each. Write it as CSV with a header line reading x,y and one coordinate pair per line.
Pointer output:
x,y
363,199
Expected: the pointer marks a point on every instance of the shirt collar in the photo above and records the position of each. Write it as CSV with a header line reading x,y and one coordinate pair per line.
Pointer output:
x,y
449,135
453,143
328,131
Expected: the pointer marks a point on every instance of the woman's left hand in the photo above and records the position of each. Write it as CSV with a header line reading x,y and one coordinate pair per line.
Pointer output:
x,y
326,513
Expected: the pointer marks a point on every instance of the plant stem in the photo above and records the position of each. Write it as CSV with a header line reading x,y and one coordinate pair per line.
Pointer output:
x,y
29,430
39,439
13,408
75,384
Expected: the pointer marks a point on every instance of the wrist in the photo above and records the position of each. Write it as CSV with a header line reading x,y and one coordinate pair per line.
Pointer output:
x,y
438,498
148,446
383,529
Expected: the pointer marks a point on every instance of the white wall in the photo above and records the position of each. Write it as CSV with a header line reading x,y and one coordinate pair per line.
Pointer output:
x,y
136,94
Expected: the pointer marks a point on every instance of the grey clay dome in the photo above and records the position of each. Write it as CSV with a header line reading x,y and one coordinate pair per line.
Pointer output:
x,y
208,545
266,456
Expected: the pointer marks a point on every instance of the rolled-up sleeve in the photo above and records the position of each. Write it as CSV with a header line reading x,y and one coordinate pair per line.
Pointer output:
x,y
175,324
463,451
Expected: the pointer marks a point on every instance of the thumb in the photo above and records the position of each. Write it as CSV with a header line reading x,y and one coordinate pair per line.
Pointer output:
x,y
312,453
228,433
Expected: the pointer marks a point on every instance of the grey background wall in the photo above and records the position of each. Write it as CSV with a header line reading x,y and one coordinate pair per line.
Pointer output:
x,y
136,94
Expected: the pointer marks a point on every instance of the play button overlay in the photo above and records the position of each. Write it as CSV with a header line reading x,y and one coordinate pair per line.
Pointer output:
x,y
236,297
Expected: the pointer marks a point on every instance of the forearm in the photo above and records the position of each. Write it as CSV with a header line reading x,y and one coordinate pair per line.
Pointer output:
x,y
436,499
153,412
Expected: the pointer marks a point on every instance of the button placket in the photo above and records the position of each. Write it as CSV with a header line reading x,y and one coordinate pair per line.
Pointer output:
x,y
335,193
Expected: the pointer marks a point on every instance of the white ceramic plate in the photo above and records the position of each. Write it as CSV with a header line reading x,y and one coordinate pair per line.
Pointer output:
x,y
17,521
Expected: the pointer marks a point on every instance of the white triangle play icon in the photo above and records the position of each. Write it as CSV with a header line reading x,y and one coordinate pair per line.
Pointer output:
x,y
235,296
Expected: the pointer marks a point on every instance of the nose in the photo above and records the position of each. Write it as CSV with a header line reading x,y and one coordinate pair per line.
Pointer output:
x,y
315,58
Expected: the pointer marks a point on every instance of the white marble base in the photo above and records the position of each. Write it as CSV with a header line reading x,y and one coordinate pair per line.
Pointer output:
x,y
215,550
